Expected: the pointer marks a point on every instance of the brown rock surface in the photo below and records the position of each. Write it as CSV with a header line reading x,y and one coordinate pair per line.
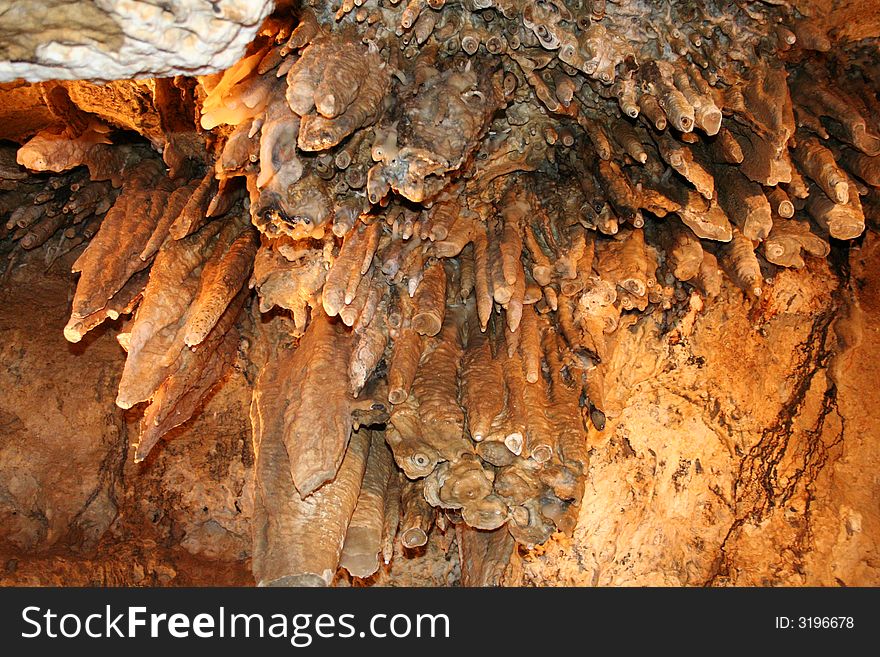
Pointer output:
x,y
74,508
727,458
734,459
420,182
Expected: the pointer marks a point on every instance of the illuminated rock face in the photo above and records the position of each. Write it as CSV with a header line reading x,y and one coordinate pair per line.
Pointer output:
x,y
428,233
116,39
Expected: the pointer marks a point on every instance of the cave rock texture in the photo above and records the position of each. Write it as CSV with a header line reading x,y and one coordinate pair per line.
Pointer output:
x,y
113,39
487,292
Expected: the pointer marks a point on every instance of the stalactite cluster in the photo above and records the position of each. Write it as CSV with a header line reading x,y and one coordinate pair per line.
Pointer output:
x,y
61,211
425,221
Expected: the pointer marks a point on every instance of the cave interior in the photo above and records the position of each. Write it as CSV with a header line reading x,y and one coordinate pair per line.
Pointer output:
x,y
440,292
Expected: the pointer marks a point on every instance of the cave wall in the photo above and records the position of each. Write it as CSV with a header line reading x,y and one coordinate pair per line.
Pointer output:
x,y
745,453
844,20
74,507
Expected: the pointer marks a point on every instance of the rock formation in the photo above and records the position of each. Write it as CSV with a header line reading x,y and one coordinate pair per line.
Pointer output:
x,y
87,40
432,225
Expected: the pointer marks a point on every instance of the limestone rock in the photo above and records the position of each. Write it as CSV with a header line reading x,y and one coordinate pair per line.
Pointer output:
x,y
85,39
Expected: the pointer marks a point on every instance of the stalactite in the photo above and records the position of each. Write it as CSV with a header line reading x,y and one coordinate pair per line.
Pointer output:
x,y
482,383
221,281
412,453
844,221
683,251
344,81
176,281
435,389
114,254
430,300
744,203
363,537
416,515
741,264
318,418
199,370
866,167
817,163
787,241
483,555
391,516
445,212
